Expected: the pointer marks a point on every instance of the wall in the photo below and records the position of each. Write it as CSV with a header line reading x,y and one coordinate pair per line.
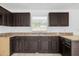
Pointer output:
x,y
73,22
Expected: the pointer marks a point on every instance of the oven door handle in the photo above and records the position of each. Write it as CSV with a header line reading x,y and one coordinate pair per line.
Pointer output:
x,y
67,45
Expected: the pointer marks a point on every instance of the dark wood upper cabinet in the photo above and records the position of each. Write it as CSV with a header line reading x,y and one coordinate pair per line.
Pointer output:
x,y
3,10
5,17
8,19
13,19
58,19
1,19
21,19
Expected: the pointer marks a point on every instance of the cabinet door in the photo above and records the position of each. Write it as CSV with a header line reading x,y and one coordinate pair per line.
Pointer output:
x,y
21,19
20,45
64,19
8,21
33,44
55,44
44,44
1,19
23,44
61,46
53,19
11,45
58,19
5,17
16,45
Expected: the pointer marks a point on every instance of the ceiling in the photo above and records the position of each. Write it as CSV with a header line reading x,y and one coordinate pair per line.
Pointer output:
x,y
39,6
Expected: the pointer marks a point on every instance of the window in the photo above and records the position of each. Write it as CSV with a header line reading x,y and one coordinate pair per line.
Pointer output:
x,y
39,24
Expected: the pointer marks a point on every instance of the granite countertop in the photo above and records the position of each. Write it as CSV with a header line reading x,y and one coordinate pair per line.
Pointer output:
x,y
34,34
65,35
72,38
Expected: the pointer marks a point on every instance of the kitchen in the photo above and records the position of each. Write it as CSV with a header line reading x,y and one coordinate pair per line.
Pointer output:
x,y
39,28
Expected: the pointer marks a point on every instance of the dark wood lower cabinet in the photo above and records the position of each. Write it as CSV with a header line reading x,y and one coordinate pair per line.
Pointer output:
x,y
55,44
33,44
20,45
44,44
61,45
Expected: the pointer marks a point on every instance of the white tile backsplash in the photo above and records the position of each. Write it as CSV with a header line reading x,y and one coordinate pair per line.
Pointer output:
x,y
59,29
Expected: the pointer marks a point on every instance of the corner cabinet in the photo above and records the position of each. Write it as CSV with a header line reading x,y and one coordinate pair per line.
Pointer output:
x,y
13,19
5,17
21,19
58,19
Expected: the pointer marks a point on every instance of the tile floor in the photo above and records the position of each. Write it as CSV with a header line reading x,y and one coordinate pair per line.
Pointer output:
x,y
36,54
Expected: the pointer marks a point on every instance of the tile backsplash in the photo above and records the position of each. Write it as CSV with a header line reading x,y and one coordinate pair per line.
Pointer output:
x,y
4,29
